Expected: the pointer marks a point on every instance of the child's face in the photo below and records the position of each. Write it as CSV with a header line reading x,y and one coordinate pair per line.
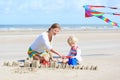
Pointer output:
x,y
71,44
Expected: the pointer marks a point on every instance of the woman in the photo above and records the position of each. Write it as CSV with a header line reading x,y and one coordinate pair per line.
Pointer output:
x,y
41,47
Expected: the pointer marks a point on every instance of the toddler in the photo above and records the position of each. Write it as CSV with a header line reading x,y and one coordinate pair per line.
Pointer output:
x,y
74,56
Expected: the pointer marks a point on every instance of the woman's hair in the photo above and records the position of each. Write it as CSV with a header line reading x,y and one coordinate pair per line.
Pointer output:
x,y
55,25
72,40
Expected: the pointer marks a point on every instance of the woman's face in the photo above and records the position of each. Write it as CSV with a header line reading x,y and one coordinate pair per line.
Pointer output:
x,y
55,31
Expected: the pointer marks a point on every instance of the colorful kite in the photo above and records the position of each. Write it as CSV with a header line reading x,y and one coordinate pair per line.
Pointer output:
x,y
89,12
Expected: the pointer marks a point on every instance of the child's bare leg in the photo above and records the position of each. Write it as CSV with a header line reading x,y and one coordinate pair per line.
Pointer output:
x,y
65,60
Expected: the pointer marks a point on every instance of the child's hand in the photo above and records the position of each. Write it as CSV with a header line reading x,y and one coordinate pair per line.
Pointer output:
x,y
63,57
68,56
72,56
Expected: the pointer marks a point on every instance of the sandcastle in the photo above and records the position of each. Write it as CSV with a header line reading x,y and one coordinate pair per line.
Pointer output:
x,y
29,65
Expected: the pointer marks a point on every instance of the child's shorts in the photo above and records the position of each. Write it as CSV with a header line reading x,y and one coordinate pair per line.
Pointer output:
x,y
73,61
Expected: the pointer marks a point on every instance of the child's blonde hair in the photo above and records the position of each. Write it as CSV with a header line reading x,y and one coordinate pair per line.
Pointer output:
x,y
72,40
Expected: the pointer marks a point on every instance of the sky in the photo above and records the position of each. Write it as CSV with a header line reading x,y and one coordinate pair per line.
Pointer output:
x,y
53,11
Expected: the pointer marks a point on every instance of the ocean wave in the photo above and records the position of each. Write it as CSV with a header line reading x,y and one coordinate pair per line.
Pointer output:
x,y
45,27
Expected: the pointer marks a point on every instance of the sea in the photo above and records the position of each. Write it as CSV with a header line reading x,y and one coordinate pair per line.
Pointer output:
x,y
16,27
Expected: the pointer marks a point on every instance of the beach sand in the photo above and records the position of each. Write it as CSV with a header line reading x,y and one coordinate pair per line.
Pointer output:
x,y
99,47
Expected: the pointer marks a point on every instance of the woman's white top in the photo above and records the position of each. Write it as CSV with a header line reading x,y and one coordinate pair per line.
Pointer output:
x,y
41,43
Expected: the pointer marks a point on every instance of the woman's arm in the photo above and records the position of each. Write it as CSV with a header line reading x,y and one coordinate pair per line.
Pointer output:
x,y
54,51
